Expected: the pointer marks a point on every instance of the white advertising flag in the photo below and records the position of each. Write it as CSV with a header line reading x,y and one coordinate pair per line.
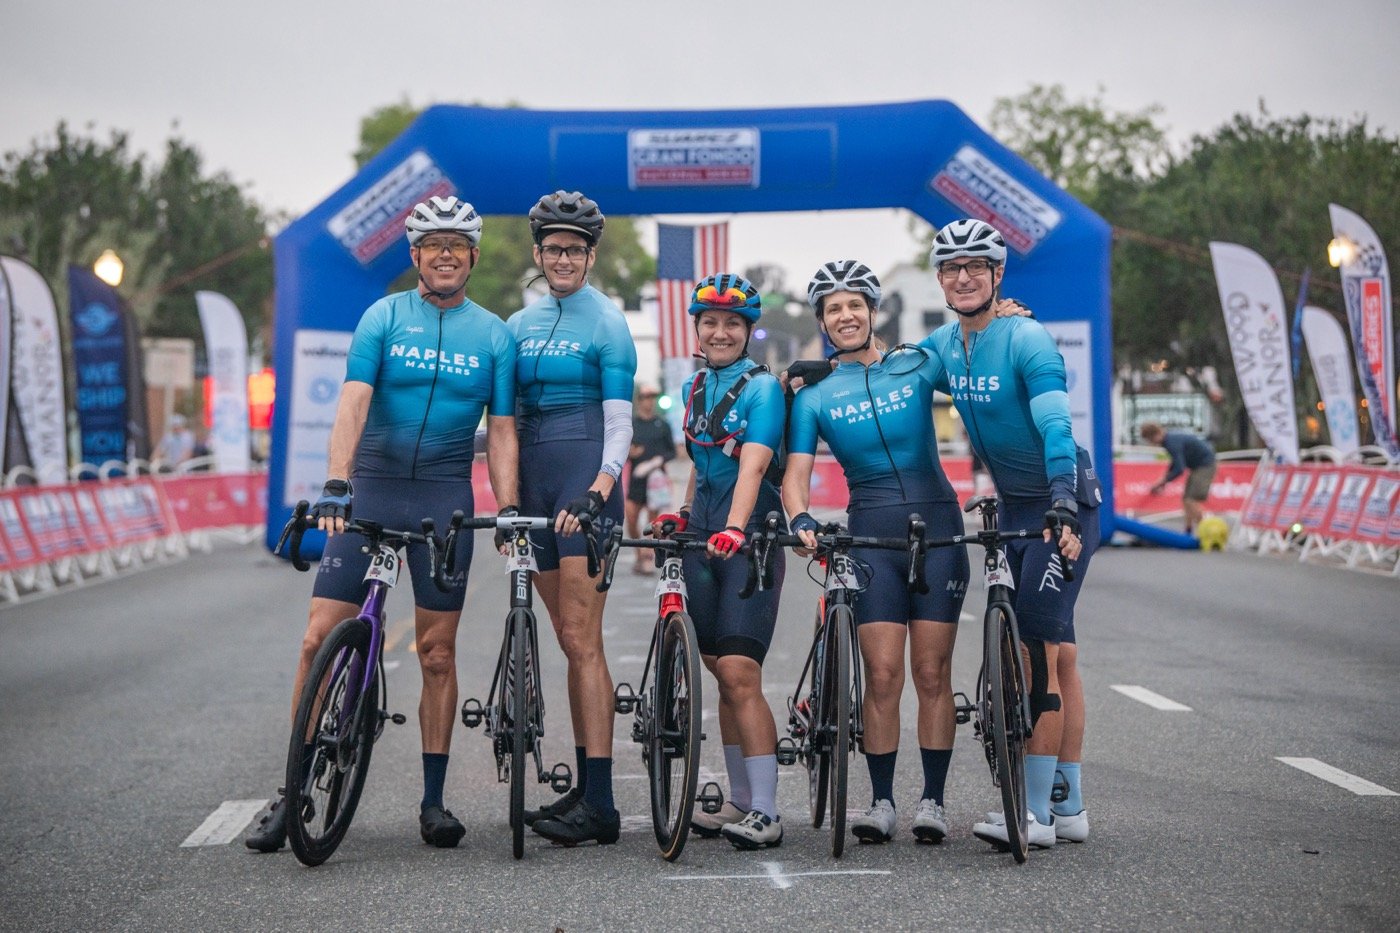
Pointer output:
x,y
1366,287
37,371
7,332
226,343
1254,321
1331,363
318,370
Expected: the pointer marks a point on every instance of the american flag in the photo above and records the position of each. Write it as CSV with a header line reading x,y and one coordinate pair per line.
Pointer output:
x,y
684,256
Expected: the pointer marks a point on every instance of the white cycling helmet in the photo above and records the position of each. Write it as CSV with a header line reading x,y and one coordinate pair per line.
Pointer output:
x,y
971,238
443,215
843,275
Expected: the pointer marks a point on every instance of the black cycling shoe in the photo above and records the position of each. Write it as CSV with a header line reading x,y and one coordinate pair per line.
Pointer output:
x,y
271,833
581,824
557,808
440,828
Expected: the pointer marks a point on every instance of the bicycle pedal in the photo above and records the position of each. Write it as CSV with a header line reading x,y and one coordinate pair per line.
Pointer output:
x,y
962,708
787,751
472,713
710,798
625,699
397,719
560,778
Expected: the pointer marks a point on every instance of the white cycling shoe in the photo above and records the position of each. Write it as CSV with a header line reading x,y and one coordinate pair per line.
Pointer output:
x,y
994,831
930,822
1072,828
709,825
876,824
755,831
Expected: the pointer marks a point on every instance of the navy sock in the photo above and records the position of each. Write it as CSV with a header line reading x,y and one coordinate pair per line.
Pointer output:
x,y
935,772
881,775
597,785
434,776
581,767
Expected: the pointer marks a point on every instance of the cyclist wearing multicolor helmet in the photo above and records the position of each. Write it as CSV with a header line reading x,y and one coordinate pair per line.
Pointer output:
x,y
575,368
1007,380
734,414
423,366
875,411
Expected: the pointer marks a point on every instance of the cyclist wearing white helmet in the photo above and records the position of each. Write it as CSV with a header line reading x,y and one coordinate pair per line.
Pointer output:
x,y
574,380
875,411
1007,380
423,366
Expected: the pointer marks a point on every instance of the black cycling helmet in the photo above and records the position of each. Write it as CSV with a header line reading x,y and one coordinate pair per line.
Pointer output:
x,y
566,210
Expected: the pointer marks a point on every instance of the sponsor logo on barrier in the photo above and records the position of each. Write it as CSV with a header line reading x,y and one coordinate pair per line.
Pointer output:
x,y
980,188
690,158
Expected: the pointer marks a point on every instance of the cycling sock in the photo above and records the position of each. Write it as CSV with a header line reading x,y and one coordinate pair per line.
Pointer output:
x,y
580,768
1040,781
935,772
739,793
763,778
597,786
1074,803
881,776
434,776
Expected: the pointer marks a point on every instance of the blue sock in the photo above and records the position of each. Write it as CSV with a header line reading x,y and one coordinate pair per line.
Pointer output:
x,y
434,776
1040,781
881,776
580,767
597,785
1074,803
935,772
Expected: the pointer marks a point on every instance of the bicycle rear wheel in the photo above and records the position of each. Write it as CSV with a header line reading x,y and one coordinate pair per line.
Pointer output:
x,y
675,735
519,726
338,722
841,623
1005,689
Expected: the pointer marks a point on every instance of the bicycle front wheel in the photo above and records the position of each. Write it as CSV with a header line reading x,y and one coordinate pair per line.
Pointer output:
x,y
1005,689
817,750
332,737
675,735
519,726
840,625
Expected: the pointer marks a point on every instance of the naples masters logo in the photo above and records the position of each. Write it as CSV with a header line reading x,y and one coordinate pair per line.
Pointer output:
x,y
96,319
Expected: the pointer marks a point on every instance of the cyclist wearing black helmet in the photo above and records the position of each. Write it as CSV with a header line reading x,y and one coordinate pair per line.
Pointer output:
x,y
403,434
575,368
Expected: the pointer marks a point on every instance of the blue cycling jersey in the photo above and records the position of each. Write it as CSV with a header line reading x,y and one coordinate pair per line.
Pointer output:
x,y
757,417
572,354
434,371
1009,388
878,421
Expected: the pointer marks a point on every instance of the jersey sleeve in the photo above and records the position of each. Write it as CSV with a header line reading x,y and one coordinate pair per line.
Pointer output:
x,y
802,423
367,346
617,358
503,371
936,369
766,412
1038,362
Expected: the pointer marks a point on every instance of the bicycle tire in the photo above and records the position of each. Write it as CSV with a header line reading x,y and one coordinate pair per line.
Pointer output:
x,y
322,791
842,622
675,735
519,729
818,755
1004,687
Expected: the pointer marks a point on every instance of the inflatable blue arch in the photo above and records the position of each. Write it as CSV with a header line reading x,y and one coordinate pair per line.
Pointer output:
x,y
925,156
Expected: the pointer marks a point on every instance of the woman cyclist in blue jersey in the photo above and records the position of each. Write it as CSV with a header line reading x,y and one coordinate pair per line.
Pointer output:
x,y
875,411
734,419
1007,380
423,365
575,367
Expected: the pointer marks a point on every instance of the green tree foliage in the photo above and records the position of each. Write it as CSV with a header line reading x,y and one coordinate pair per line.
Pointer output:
x,y
507,263
177,230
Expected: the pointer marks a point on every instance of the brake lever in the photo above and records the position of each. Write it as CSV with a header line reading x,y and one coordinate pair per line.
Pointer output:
x,y
917,549
1056,530
610,554
294,530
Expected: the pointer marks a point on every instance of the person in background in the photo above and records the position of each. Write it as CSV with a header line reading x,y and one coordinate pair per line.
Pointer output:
x,y
652,448
177,445
1191,455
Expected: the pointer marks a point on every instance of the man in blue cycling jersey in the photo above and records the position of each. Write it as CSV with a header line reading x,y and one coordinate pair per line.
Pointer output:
x,y
575,368
423,367
1007,380
875,411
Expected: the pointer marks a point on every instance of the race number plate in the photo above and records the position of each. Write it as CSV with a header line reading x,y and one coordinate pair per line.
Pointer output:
x,y
1000,575
384,566
671,581
842,575
521,559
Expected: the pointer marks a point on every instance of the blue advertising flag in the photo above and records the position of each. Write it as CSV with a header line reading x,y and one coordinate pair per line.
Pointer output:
x,y
100,366
1298,324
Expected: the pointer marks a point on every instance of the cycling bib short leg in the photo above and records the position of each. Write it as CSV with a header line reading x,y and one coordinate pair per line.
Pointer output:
x,y
1044,600
724,623
887,598
552,474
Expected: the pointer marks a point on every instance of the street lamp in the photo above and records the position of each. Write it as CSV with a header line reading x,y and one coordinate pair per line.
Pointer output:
x,y
109,268
1340,251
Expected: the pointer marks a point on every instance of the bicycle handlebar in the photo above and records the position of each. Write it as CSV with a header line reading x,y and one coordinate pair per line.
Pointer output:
x,y
299,523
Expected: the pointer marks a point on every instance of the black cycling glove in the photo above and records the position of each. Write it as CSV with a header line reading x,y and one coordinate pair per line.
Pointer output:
x,y
335,500
587,507
809,371
803,521
1062,512
504,534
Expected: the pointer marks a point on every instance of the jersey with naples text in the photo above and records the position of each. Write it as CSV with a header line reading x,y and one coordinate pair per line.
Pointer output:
x,y
878,421
572,354
757,416
434,371
1009,388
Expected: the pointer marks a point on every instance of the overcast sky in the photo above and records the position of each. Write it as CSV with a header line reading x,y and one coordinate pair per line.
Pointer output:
x,y
273,92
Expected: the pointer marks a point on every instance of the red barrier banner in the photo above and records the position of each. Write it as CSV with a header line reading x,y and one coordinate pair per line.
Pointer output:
x,y
1376,515
1356,486
54,526
134,510
200,501
1320,500
18,550
1133,481
1295,495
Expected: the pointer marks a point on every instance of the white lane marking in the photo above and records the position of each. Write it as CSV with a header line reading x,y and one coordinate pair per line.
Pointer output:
x,y
775,872
1154,700
1337,776
967,617
631,659
778,878
634,824
220,827
391,665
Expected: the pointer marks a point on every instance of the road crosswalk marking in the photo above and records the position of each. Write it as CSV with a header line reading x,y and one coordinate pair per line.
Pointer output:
x,y
1337,776
1154,700
221,826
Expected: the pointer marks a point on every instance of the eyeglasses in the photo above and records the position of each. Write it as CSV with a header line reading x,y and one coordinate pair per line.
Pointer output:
x,y
711,296
554,252
975,268
457,246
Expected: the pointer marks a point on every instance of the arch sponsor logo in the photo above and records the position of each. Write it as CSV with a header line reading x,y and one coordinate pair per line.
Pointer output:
x,y
979,187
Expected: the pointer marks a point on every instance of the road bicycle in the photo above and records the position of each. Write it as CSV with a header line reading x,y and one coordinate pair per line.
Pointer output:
x,y
513,714
343,704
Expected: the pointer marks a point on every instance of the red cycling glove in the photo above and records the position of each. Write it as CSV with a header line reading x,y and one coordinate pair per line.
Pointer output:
x,y
728,541
678,522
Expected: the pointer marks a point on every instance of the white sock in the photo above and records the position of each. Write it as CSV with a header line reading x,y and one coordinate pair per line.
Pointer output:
x,y
739,793
763,779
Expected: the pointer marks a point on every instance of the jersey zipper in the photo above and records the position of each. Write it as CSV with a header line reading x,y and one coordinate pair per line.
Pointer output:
x,y
875,413
432,389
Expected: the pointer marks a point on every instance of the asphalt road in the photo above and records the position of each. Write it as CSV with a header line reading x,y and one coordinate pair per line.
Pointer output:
x,y
132,710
